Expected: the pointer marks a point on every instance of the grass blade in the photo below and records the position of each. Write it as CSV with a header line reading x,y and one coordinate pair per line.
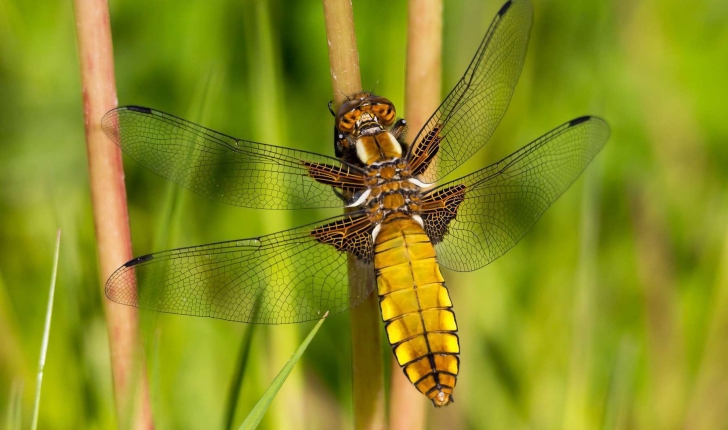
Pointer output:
x,y
621,387
14,406
46,334
256,415
237,383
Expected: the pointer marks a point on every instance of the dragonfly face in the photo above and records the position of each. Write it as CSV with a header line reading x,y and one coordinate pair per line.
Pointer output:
x,y
362,130
401,227
365,110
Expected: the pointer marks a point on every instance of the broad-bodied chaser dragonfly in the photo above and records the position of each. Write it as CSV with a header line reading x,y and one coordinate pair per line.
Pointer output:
x,y
401,225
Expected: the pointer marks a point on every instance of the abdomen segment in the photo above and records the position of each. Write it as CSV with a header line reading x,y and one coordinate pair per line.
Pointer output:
x,y
416,309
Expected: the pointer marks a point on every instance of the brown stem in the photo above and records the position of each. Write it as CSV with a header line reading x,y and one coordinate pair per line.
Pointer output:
x,y
343,54
367,366
108,196
422,96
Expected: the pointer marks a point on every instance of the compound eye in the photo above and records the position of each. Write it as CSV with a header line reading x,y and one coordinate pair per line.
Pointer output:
x,y
347,121
384,110
346,109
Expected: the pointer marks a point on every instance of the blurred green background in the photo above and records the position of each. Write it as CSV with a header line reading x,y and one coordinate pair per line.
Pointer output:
x,y
612,313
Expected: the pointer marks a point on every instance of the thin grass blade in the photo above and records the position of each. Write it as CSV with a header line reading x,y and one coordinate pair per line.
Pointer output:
x,y
256,415
46,334
237,381
14,406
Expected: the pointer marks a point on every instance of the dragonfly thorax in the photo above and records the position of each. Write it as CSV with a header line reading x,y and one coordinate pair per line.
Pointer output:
x,y
391,191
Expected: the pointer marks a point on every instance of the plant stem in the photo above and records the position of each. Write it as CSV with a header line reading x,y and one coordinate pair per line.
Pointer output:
x,y
343,54
111,221
367,366
422,97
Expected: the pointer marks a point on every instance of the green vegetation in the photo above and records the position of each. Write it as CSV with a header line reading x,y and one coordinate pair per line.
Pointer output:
x,y
611,313
256,415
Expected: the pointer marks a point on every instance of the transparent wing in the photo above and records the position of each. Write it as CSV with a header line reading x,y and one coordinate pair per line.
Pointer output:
x,y
504,200
286,277
230,170
471,112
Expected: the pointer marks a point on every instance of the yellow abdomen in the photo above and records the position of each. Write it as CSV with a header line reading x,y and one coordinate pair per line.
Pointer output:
x,y
416,308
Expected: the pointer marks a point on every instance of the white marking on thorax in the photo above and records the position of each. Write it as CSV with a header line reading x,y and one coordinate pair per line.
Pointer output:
x,y
361,151
395,144
419,183
362,198
375,232
385,138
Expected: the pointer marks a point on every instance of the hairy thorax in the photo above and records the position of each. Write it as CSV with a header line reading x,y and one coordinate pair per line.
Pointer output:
x,y
392,191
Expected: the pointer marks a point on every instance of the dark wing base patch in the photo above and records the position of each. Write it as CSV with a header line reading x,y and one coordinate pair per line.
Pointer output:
x,y
425,151
353,235
439,208
335,176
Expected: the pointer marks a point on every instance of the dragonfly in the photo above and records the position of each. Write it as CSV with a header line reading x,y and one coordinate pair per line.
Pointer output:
x,y
403,221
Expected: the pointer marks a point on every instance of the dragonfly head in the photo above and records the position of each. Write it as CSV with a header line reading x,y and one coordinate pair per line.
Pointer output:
x,y
361,115
365,113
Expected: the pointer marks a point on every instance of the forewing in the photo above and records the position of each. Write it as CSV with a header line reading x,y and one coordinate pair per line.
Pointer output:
x,y
230,170
502,201
286,277
471,112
